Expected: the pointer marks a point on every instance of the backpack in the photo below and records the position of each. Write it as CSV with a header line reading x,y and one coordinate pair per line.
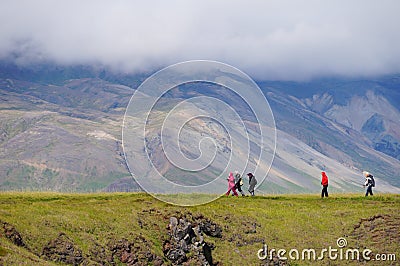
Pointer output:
x,y
372,180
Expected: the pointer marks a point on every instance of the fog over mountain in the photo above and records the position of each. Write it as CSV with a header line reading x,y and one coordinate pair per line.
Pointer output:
x,y
285,40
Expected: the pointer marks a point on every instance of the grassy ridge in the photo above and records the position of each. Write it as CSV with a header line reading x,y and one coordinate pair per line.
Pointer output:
x,y
286,221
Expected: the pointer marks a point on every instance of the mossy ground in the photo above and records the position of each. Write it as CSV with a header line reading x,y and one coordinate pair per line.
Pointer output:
x,y
285,221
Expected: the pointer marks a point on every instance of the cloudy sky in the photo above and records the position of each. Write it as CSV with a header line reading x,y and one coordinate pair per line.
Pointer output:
x,y
282,39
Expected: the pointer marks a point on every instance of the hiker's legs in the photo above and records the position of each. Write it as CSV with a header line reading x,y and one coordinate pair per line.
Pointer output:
x,y
240,190
251,190
324,191
369,191
234,191
227,193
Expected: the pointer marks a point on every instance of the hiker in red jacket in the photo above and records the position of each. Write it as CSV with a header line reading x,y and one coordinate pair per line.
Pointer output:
x,y
324,184
231,185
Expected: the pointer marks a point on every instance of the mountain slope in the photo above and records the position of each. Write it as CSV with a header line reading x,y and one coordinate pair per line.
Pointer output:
x,y
66,135
352,103
319,120
61,137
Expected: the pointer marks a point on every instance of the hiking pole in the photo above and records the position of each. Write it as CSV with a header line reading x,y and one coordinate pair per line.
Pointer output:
x,y
358,184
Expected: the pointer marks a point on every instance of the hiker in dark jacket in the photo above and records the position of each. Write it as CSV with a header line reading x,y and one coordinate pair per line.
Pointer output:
x,y
369,183
324,183
252,183
239,182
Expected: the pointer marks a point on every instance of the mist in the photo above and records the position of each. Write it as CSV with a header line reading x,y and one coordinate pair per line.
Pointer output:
x,y
279,40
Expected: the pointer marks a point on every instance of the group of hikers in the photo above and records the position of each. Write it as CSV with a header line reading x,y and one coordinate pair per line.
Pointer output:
x,y
235,182
369,184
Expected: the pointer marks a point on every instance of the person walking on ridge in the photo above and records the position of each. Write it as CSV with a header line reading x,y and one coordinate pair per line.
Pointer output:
x,y
324,183
252,183
239,182
369,183
231,185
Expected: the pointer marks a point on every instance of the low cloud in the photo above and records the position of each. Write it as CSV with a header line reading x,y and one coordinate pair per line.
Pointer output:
x,y
287,40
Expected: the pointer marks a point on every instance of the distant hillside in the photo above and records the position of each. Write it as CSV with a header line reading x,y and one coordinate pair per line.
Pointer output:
x,y
60,129
63,137
355,123
354,104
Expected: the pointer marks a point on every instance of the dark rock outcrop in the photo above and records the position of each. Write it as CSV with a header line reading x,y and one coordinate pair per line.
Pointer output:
x,y
12,234
186,243
62,249
134,252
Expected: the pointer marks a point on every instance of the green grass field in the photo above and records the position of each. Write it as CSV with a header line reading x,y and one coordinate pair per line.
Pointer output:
x,y
92,221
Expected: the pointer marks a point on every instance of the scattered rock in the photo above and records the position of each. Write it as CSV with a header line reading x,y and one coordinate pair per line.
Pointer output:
x,y
211,229
186,245
241,240
246,234
100,255
250,227
11,233
62,249
173,223
134,252
368,221
176,255
381,232
382,229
